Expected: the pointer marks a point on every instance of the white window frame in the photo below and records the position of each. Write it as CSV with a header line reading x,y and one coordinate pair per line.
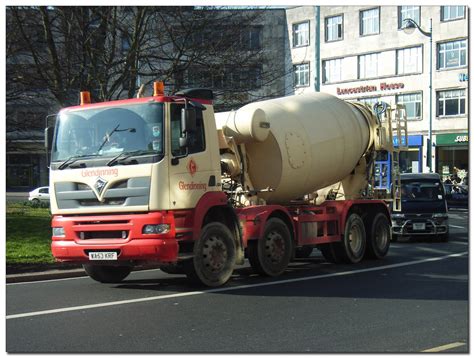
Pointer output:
x,y
410,60
301,74
409,98
332,27
301,35
462,46
332,70
368,65
452,9
408,12
370,21
443,96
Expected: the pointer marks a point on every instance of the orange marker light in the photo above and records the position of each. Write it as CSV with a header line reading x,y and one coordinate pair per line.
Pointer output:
x,y
158,88
85,97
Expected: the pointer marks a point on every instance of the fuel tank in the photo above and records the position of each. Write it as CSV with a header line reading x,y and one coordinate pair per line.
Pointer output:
x,y
299,144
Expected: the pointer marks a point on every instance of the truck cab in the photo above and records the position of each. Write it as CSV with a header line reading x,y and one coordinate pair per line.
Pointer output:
x,y
424,209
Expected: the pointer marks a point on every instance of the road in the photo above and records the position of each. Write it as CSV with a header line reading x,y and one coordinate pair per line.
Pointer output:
x,y
415,299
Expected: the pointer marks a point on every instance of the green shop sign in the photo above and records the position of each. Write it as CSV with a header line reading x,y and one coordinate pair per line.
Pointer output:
x,y
452,139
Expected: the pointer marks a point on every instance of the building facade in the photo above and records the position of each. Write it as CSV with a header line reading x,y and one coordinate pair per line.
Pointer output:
x,y
366,55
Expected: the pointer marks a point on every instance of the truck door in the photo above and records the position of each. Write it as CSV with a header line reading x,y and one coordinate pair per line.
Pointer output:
x,y
191,169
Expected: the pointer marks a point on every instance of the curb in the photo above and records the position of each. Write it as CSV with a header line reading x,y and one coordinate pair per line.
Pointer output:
x,y
44,275
58,274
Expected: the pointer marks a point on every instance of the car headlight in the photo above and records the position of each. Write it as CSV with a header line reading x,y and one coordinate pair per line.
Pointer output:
x,y
156,229
440,216
398,216
58,231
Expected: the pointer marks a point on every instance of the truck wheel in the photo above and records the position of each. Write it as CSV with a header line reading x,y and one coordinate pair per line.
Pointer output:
x,y
270,254
331,253
380,235
303,252
214,256
354,240
107,274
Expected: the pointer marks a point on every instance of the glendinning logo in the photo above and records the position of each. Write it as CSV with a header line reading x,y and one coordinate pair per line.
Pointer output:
x,y
192,167
100,185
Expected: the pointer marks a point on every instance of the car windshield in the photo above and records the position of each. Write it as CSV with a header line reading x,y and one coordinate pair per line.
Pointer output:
x,y
109,131
421,190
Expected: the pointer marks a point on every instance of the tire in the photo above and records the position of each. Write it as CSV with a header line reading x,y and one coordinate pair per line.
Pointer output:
x,y
214,256
270,254
378,242
354,240
173,269
107,274
303,252
35,201
331,253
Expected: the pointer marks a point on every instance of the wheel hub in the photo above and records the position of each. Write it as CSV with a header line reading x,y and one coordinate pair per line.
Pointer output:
x,y
274,247
355,239
214,254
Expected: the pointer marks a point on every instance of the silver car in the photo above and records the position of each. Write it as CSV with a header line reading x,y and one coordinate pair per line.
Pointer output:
x,y
39,194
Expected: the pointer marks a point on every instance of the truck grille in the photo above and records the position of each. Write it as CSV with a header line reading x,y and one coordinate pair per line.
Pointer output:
x,y
90,235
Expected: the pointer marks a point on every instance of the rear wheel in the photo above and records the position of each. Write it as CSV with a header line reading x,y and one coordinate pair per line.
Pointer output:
x,y
107,274
214,256
378,242
354,240
270,254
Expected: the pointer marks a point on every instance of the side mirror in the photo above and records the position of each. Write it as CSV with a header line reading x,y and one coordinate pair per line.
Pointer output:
x,y
48,138
183,142
188,120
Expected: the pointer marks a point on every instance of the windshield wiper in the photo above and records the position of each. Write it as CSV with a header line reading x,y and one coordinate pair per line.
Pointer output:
x,y
74,158
116,129
125,155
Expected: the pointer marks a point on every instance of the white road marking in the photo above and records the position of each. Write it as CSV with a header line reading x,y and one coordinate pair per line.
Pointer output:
x,y
457,227
223,289
445,347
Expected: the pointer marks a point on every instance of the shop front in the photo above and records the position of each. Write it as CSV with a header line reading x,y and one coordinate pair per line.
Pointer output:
x,y
410,161
452,155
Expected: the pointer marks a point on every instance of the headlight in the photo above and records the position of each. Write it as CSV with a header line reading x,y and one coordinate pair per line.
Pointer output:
x,y
398,216
58,231
156,229
440,216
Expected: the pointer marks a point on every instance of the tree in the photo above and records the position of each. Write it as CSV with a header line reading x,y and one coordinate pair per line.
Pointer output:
x,y
54,52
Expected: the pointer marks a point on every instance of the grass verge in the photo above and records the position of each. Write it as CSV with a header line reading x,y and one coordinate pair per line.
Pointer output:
x,y
28,232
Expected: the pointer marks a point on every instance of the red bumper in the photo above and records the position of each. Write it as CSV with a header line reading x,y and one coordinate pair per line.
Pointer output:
x,y
120,233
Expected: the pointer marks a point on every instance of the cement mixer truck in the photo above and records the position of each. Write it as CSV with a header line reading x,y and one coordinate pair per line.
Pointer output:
x,y
163,179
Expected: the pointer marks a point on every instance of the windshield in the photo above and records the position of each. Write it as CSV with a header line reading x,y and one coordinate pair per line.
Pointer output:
x,y
421,190
109,131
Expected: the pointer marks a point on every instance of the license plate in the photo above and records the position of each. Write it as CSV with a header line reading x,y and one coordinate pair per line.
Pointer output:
x,y
103,255
418,226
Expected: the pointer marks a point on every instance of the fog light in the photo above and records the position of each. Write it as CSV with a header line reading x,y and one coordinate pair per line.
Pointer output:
x,y
156,229
58,231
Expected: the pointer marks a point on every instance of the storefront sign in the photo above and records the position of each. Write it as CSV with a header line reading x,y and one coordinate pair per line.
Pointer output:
x,y
452,139
413,141
371,88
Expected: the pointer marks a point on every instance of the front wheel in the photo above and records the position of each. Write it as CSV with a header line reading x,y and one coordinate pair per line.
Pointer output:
x,y
270,254
214,256
107,274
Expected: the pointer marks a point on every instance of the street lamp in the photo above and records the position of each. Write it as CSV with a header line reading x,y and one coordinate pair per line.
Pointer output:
x,y
409,26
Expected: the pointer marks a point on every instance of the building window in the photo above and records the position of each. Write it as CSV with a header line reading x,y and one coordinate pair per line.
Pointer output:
x,y
301,34
250,38
370,22
412,102
334,28
370,101
452,13
409,60
451,103
369,65
332,70
408,12
452,54
126,43
301,75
